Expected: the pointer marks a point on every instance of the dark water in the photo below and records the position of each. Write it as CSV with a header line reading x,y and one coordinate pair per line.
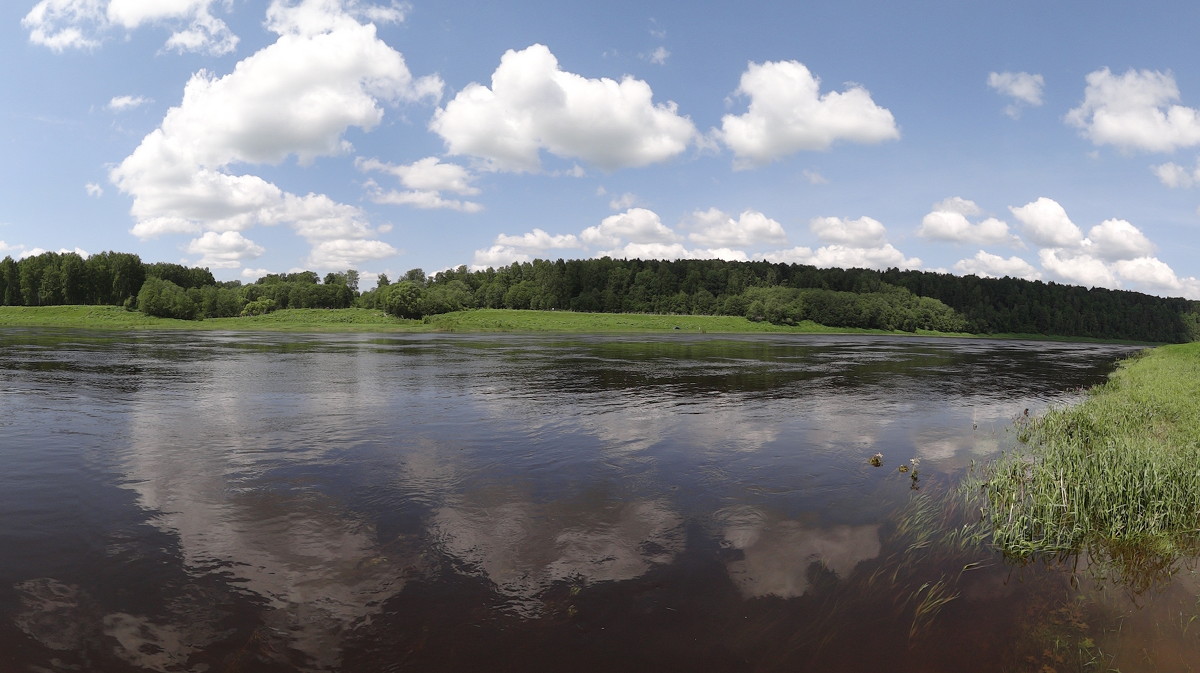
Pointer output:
x,y
221,502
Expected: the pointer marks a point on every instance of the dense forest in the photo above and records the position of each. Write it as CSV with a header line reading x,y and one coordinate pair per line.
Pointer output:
x,y
779,293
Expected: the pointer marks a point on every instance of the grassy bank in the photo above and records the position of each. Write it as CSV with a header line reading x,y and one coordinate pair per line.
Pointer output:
x,y
365,320
1116,476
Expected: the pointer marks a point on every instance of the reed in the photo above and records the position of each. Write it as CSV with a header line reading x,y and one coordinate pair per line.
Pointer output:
x,y
1116,476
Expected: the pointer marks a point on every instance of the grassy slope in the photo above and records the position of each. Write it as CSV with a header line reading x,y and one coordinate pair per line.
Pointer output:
x,y
365,320
1117,474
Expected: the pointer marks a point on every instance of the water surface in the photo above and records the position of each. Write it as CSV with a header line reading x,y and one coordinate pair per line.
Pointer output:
x,y
240,502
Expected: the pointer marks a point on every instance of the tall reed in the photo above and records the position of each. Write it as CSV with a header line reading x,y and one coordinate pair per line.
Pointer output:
x,y
1116,476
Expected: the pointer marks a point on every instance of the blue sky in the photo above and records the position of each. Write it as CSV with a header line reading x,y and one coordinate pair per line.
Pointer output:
x,y
1055,141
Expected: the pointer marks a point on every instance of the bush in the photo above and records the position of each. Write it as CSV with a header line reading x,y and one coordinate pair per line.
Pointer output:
x,y
164,299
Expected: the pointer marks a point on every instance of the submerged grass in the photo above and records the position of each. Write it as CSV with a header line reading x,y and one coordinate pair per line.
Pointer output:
x,y
1116,476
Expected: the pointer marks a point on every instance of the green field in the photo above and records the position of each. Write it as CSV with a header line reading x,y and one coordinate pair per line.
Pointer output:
x,y
367,320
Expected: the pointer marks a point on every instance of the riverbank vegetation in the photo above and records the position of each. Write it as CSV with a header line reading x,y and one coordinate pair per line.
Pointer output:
x,y
1116,477
372,320
778,294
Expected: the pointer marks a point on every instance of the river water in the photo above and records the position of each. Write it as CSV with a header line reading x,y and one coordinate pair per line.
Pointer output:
x,y
249,502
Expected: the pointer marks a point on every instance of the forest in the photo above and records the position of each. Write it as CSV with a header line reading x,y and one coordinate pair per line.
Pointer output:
x,y
780,293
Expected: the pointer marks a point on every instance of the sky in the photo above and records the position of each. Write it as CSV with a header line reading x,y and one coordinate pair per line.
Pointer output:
x,y
1056,141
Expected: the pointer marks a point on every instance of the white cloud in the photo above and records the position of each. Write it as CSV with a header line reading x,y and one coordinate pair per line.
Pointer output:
x,y
508,249
865,232
788,113
1022,87
82,24
94,190
534,105
428,174
426,180
813,177
659,56
254,274
987,265
623,202
296,97
66,24
1177,177
225,250
1154,275
716,228
670,251
123,103
1114,239
539,240
1077,268
637,225
34,252
424,199
948,222
348,253
497,256
1047,224
845,257
1134,111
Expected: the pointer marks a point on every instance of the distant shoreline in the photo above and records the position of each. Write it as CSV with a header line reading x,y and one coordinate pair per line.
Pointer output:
x,y
352,320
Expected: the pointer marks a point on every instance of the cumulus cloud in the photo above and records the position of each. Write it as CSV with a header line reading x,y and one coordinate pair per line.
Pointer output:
x,y
82,24
348,253
1022,87
1135,111
1046,223
425,179
225,250
1113,240
1175,176
534,105
1115,254
294,98
865,232
788,114
846,257
523,248
670,251
987,265
637,225
948,222
716,228
94,190
857,243
1077,268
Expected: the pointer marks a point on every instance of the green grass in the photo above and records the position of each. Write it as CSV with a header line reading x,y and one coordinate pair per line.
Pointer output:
x,y
291,320
366,320
1116,476
503,320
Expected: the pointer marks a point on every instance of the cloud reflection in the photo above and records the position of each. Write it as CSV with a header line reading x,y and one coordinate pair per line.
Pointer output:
x,y
776,553
524,547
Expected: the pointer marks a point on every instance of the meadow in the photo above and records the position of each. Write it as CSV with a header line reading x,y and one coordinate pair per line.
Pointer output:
x,y
370,320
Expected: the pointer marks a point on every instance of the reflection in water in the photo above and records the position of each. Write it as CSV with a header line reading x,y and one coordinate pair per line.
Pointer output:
x,y
523,548
778,555
270,503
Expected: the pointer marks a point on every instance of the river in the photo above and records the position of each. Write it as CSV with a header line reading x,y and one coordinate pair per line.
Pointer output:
x,y
259,502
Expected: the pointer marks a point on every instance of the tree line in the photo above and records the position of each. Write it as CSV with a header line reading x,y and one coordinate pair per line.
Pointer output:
x,y
780,293
789,293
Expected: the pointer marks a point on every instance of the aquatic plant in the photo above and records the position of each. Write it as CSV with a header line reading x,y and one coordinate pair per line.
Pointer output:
x,y
1116,477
